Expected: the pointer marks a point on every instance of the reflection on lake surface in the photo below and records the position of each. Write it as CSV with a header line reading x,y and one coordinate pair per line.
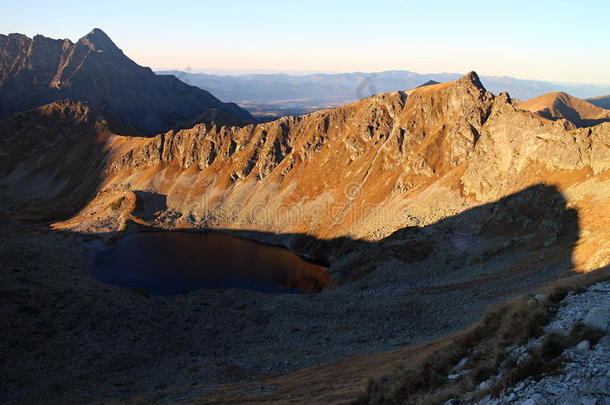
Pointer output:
x,y
165,263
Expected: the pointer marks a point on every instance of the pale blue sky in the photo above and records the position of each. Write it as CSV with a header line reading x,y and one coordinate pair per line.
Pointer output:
x,y
551,40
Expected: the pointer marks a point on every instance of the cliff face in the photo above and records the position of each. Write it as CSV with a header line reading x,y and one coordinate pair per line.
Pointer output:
x,y
325,173
363,171
36,71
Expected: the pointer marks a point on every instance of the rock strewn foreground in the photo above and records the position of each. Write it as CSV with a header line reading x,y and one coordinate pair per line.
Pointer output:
x,y
585,378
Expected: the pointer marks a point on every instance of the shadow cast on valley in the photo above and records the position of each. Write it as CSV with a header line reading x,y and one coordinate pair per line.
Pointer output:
x,y
413,286
526,237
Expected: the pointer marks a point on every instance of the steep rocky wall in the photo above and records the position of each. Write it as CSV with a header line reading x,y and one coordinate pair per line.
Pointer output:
x,y
334,172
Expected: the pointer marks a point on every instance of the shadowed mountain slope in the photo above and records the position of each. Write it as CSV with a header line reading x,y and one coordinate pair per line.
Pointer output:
x,y
428,83
53,156
601,101
418,283
39,70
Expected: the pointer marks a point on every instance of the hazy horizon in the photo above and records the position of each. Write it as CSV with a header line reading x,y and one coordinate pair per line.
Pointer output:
x,y
549,41
240,72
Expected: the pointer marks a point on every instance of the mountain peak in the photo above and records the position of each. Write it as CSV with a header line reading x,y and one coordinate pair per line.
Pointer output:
x,y
429,83
97,32
99,40
472,78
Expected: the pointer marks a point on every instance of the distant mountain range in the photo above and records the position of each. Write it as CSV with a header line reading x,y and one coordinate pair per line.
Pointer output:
x,y
36,71
283,94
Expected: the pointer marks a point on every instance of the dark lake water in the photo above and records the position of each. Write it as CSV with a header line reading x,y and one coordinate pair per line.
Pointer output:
x,y
166,263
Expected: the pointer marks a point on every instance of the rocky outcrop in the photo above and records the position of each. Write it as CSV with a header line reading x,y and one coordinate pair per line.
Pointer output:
x,y
36,71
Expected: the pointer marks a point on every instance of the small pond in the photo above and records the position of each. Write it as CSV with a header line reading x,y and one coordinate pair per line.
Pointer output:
x,y
166,263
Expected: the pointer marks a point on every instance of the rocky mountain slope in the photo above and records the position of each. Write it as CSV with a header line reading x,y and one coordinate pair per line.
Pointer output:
x,y
600,101
556,106
36,71
361,171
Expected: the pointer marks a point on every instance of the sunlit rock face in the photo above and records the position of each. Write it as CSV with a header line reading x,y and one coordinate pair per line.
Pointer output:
x,y
362,171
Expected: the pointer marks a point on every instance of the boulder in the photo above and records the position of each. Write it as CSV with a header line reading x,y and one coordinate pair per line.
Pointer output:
x,y
460,365
598,318
536,399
